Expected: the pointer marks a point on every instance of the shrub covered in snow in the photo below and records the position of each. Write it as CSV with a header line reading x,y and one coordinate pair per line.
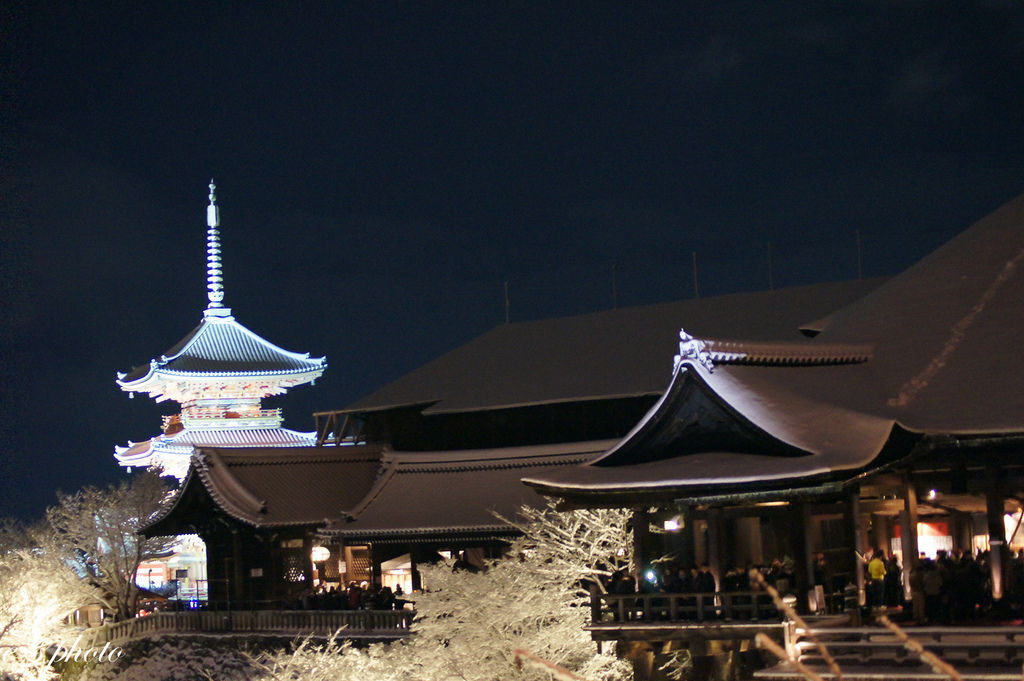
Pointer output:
x,y
173,659
468,624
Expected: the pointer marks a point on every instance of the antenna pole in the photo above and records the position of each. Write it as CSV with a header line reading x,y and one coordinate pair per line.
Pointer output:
x,y
615,288
771,274
860,257
696,287
508,302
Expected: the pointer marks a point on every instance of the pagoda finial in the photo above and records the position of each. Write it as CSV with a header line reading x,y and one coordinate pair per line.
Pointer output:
x,y
214,278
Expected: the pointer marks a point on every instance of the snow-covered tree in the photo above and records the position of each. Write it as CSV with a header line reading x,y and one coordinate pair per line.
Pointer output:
x,y
95,531
37,593
468,624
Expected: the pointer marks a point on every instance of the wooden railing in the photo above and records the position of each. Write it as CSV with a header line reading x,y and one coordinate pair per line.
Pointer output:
x,y
728,605
361,624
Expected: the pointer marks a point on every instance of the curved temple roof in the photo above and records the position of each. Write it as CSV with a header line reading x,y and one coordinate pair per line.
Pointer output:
x,y
427,495
221,347
272,487
928,360
366,491
718,431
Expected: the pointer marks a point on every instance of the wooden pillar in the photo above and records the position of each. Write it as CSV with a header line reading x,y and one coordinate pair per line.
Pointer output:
x,y
803,556
687,539
417,579
963,532
376,575
641,529
908,534
995,509
881,532
307,558
716,543
854,531
237,567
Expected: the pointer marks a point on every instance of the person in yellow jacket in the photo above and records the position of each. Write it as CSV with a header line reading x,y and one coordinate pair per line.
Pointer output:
x,y
876,572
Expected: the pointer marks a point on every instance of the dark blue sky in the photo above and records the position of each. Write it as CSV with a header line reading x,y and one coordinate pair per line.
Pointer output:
x,y
383,168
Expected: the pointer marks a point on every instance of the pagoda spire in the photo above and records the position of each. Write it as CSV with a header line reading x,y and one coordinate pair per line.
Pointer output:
x,y
214,274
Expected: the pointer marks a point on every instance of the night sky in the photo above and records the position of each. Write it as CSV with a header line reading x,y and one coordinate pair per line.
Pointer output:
x,y
383,167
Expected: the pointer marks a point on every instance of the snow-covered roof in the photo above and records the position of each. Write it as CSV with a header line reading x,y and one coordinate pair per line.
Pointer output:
x,y
366,492
271,487
725,429
184,441
939,363
437,495
220,347
609,354
173,452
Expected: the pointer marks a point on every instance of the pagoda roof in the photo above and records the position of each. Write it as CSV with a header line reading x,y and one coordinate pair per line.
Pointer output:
x,y
184,441
221,347
938,369
609,354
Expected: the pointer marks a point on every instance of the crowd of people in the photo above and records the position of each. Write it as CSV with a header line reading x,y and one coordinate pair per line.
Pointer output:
x,y
670,577
955,586
356,596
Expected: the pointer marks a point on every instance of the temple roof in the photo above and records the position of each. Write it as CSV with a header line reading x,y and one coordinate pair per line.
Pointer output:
x,y
221,347
947,333
437,495
273,487
614,353
722,432
366,492
938,369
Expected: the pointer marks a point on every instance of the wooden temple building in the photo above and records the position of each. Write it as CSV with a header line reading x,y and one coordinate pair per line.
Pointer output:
x,y
849,432
427,464
824,419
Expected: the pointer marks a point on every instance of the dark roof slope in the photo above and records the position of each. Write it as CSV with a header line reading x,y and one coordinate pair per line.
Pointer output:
x,y
444,495
947,333
614,353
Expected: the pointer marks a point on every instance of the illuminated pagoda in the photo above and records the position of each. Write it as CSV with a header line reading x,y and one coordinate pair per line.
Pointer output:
x,y
219,373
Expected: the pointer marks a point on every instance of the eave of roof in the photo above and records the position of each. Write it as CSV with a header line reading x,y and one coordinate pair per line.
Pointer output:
x,y
183,442
221,347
